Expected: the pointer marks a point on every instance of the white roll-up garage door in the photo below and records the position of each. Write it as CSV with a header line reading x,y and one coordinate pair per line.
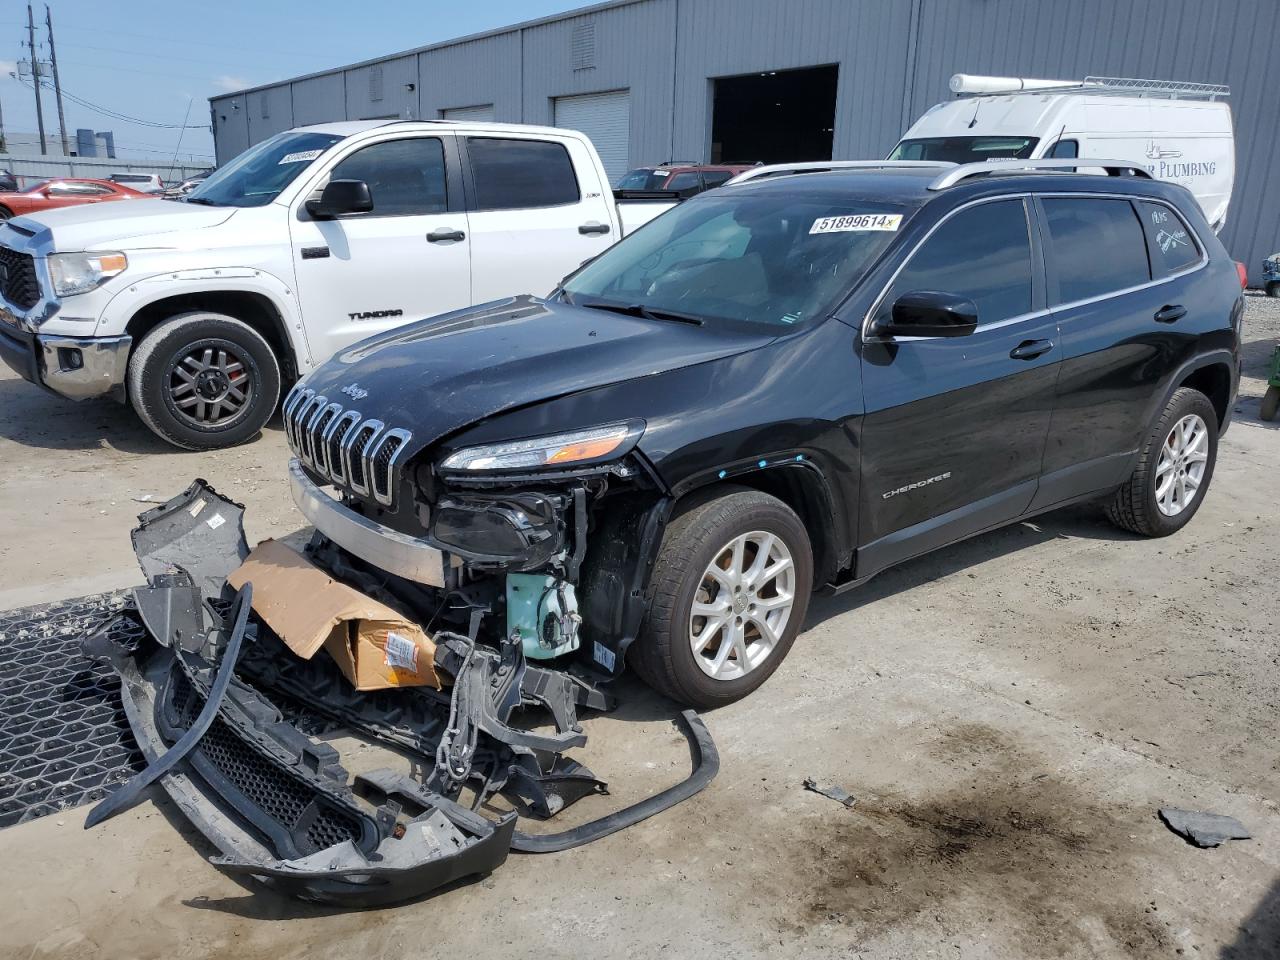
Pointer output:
x,y
606,119
478,114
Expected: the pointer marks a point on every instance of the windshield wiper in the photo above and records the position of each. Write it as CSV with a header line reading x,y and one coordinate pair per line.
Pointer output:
x,y
638,310
200,200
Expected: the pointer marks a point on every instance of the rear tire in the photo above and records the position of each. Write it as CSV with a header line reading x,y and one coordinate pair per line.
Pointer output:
x,y
5,213
753,624
1273,288
1174,468
204,380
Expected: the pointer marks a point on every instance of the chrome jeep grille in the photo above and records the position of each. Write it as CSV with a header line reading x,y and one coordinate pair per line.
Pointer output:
x,y
338,444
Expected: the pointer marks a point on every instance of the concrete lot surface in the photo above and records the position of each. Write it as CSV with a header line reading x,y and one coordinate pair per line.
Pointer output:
x,y
1009,713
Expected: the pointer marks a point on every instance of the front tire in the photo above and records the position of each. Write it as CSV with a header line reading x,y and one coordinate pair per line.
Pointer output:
x,y
728,596
5,213
1174,468
1273,288
204,380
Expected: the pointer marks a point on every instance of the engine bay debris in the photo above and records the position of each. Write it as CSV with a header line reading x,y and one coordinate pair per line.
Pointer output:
x,y
203,678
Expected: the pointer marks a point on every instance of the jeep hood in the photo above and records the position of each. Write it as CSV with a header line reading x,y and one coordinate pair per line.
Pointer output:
x,y
112,225
438,376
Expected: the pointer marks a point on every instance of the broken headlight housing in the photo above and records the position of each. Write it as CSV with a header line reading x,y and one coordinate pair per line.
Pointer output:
x,y
572,449
74,273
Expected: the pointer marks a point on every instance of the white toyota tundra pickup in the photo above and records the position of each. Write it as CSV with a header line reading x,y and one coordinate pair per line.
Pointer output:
x,y
198,312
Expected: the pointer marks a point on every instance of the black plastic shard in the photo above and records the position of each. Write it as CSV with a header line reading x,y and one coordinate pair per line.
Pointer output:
x,y
130,792
198,533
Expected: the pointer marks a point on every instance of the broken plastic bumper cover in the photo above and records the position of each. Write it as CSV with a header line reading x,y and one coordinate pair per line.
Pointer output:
x,y
278,805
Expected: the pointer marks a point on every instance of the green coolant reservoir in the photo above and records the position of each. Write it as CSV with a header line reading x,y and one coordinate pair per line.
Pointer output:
x,y
544,612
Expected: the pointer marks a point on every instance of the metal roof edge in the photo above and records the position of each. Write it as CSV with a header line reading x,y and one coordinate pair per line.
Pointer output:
x,y
439,45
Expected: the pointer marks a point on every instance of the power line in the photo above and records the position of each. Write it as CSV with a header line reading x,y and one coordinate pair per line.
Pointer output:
x,y
117,115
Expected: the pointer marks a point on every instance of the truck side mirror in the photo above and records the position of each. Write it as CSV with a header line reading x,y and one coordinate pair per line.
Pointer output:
x,y
929,313
341,197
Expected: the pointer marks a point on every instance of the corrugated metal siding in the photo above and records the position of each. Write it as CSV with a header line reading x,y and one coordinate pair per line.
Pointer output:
x,y
894,58
634,51
390,82
481,113
481,71
270,112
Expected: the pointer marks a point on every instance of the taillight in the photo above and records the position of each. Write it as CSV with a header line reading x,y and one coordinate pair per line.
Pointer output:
x,y
1243,271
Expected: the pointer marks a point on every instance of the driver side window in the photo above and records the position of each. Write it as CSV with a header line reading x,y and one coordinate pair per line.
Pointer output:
x,y
405,177
982,253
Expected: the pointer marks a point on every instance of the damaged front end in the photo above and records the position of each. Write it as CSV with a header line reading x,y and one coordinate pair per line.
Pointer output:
x,y
213,697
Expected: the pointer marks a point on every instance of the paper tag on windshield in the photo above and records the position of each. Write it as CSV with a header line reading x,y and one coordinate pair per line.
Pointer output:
x,y
299,157
857,221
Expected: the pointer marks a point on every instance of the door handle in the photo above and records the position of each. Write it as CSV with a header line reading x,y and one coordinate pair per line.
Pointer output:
x,y
1030,349
1171,313
444,236
590,228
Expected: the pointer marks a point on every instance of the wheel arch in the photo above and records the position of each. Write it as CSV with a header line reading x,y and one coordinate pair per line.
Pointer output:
x,y
802,486
1214,381
253,308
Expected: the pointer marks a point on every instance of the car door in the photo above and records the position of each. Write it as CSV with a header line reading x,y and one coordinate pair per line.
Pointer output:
x,y
537,212
1119,328
954,427
407,258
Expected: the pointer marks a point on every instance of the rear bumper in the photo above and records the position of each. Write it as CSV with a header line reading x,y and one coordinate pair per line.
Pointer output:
x,y
78,368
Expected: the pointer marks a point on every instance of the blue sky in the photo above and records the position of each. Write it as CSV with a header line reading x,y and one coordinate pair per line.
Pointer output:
x,y
147,59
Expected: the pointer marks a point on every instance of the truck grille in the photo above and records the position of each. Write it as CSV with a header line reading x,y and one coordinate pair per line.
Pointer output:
x,y
338,444
18,280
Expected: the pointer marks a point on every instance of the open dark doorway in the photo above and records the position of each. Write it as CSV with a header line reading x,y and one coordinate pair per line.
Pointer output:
x,y
774,117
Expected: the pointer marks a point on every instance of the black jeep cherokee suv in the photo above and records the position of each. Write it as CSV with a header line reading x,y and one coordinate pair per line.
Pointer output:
x,y
790,382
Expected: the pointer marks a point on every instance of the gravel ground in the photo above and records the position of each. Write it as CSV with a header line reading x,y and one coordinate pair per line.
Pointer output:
x,y
1008,712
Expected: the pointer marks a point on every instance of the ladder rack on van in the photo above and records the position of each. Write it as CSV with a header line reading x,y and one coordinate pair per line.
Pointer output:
x,y
1114,168
1113,87
826,166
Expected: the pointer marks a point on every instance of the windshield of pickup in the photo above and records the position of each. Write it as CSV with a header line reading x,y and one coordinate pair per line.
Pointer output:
x,y
257,176
779,258
965,149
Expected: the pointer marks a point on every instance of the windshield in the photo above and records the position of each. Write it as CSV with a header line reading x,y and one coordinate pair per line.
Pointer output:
x,y
257,176
643,179
965,149
764,258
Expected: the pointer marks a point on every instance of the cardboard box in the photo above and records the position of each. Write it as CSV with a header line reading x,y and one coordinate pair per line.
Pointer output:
x,y
374,646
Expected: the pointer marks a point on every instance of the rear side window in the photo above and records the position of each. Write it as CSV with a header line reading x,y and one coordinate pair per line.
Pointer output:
x,y
1096,246
1173,247
713,178
983,253
405,177
683,181
513,174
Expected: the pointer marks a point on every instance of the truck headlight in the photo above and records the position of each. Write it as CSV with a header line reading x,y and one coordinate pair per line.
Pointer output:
x,y
559,450
74,273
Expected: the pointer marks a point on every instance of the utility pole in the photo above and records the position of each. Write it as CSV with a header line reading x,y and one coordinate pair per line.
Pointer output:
x,y
35,74
57,87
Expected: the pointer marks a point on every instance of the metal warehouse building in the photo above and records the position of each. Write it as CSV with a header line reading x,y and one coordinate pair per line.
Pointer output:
x,y
771,80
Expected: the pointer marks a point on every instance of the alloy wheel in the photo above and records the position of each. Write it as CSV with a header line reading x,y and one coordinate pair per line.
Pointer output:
x,y
742,606
210,385
1181,467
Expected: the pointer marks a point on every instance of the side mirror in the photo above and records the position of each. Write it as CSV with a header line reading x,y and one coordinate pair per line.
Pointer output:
x,y
341,197
929,313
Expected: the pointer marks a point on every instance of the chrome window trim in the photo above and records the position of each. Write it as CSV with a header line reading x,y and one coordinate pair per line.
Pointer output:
x,y
1056,308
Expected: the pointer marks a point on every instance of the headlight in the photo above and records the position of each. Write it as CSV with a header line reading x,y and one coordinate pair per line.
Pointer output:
x,y
559,450
81,272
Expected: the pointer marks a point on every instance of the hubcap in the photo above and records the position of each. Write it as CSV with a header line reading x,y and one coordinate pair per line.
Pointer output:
x,y
210,386
1180,469
742,606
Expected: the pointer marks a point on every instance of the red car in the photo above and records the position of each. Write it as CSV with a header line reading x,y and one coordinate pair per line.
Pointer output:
x,y
51,194
691,177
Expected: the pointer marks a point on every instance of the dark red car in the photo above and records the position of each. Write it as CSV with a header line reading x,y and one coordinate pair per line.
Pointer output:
x,y
67,192
691,177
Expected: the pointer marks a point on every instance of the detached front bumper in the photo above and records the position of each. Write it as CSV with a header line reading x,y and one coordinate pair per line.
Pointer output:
x,y
78,368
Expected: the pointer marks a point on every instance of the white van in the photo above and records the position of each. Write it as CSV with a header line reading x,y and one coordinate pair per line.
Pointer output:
x,y
1181,132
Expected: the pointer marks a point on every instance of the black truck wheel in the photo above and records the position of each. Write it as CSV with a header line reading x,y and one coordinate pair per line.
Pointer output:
x,y
727,599
1174,468
204,380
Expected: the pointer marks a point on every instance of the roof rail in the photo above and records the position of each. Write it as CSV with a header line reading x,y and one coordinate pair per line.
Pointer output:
x,y
1114,168
972,86
825,166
